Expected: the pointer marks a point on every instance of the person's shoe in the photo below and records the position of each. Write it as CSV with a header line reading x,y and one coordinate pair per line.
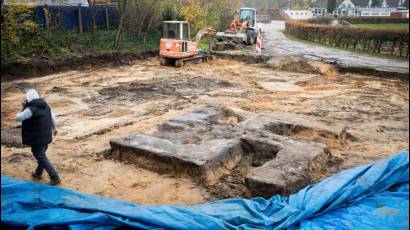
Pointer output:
x,y
55,182
35,176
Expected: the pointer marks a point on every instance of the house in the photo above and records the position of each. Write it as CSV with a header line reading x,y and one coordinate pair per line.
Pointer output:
x,y
400,13
350,7
376,12
364,8
319,11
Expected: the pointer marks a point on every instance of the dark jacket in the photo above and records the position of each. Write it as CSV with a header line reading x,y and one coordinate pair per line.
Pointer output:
x,y
38,129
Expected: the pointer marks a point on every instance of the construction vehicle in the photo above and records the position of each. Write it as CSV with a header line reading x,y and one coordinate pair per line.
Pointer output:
x,y
176,47
243,30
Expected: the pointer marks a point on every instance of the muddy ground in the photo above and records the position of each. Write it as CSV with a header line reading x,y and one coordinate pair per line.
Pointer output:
x,y
98,104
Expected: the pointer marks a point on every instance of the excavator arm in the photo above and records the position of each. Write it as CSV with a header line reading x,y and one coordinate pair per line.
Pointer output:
x,y
202,33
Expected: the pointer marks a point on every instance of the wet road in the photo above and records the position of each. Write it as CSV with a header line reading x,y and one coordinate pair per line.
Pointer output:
x,y
278,45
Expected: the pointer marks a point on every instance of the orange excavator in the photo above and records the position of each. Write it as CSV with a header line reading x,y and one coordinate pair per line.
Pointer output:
x,y
176,47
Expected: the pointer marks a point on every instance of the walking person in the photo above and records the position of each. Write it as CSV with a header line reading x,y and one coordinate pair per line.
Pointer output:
x,y
38,128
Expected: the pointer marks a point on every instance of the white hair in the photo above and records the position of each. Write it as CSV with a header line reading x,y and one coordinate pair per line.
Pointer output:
x,y
31,95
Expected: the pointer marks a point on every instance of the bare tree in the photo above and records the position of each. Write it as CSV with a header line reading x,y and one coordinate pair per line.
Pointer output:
x,y
122,6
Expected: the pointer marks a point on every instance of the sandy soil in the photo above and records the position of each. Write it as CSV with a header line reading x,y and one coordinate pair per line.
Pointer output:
x,y
98,104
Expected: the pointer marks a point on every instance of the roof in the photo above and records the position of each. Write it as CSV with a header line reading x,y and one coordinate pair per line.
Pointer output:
x,y
365,3
247,8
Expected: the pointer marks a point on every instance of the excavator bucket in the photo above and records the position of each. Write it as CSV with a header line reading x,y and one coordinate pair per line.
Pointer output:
x,y
229,40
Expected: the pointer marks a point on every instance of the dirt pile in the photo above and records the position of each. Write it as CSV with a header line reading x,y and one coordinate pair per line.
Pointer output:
x,y
39,67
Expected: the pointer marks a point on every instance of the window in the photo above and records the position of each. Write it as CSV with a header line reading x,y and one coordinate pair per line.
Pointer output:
x,y
170,30
247,15
349,5
185,31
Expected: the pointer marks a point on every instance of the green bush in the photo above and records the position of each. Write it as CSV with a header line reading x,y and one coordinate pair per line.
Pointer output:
x,y
374,20
15,29
358,20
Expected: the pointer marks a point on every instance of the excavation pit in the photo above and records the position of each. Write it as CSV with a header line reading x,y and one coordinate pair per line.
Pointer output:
x,y
209,143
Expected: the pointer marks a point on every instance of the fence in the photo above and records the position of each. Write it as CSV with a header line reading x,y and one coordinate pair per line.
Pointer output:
x,y
77,18
263,18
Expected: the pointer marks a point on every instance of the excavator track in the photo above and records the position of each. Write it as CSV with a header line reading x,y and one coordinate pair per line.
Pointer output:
x,y
198,59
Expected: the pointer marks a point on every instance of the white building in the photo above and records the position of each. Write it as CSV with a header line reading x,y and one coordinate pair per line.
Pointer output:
x,y
376,12
364,8
299,14
318,11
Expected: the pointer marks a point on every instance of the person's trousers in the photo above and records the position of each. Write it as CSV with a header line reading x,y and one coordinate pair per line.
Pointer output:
x,y
39,152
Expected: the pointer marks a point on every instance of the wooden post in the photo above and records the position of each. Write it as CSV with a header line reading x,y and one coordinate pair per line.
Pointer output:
x,y
46,19
107,17
80,19
59,17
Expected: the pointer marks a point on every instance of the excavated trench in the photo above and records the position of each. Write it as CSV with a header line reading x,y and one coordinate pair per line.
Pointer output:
x,y
252,147
138,92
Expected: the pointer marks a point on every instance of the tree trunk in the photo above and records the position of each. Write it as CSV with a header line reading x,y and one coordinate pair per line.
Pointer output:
x,y
400,49
91,13
120,29
147,31
107,18
393,46
80,19
46,18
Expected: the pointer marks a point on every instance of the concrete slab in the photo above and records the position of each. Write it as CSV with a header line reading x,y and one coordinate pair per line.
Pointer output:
x,y
294,167
205,162
208,143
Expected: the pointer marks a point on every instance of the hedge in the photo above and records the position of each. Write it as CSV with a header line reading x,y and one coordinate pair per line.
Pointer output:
x,y
358,20
390,42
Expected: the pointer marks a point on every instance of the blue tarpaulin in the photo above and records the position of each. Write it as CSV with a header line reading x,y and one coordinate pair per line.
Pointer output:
x,y
373,196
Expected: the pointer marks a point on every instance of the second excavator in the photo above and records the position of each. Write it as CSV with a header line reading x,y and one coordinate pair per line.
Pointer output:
x,y
243,31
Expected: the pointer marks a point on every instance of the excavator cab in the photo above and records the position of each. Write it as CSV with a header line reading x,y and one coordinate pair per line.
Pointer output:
x,y
178,30
248,15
